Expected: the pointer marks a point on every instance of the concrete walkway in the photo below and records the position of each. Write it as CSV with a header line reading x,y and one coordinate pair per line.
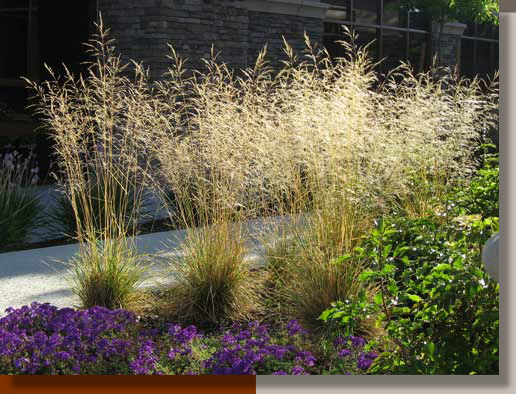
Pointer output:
x,y
41,275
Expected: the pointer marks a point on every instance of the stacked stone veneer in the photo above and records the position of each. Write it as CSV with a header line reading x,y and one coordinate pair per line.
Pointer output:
x,y
267,27
238,29
144,28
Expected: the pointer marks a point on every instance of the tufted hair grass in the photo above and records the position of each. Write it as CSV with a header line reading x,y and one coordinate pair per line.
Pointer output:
x,y
99,163
214,284
19,206
107,274
326,139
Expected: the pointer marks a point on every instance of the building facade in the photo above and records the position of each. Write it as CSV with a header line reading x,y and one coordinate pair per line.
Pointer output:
x,y
38,32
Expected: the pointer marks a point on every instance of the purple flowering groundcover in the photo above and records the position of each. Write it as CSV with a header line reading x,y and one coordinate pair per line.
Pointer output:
x,y
43,339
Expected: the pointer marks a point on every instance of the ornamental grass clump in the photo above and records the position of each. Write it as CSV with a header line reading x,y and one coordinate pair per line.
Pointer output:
x,y
322,141
19,207
107,273
92,119
213,283
307,280
326,141
309,255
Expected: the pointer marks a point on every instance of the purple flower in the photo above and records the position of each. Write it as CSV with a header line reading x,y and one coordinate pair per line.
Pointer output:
x,y
293,327
280,372
62,356
365,360
186,351
173,353
187,334
228,339
309,360
243,335
21,362
298,370
277,352
357,341
145,363
345,353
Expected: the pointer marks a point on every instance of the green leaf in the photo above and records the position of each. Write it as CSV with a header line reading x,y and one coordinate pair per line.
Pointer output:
x,y
388,269
472,291
325,314
414,297
378,299
359,250
393,288
402,310
341,259
442,267
430,349
387,250
366,275
346,319
458,263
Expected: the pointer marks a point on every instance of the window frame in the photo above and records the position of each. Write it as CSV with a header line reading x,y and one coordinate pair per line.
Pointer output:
x,y
407,30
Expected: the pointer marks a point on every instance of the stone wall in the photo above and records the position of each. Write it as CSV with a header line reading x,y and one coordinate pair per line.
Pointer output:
x,y
144,28
267,27
236,28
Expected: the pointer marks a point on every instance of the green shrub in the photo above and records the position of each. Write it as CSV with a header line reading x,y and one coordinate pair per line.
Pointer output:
x,y
439,303
348,317
481,195
19,210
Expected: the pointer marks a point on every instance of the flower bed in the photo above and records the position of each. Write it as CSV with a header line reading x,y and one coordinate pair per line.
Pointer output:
x,y
43,339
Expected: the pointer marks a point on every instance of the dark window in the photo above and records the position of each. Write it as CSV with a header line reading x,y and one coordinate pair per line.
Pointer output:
x,y
418,51
467,61
340,10
394,48
365,36
35,32
17,22
392,14
479,50
365,11
403,34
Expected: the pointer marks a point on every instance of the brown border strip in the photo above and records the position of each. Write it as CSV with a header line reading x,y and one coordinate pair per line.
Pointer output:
x,y
127,384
